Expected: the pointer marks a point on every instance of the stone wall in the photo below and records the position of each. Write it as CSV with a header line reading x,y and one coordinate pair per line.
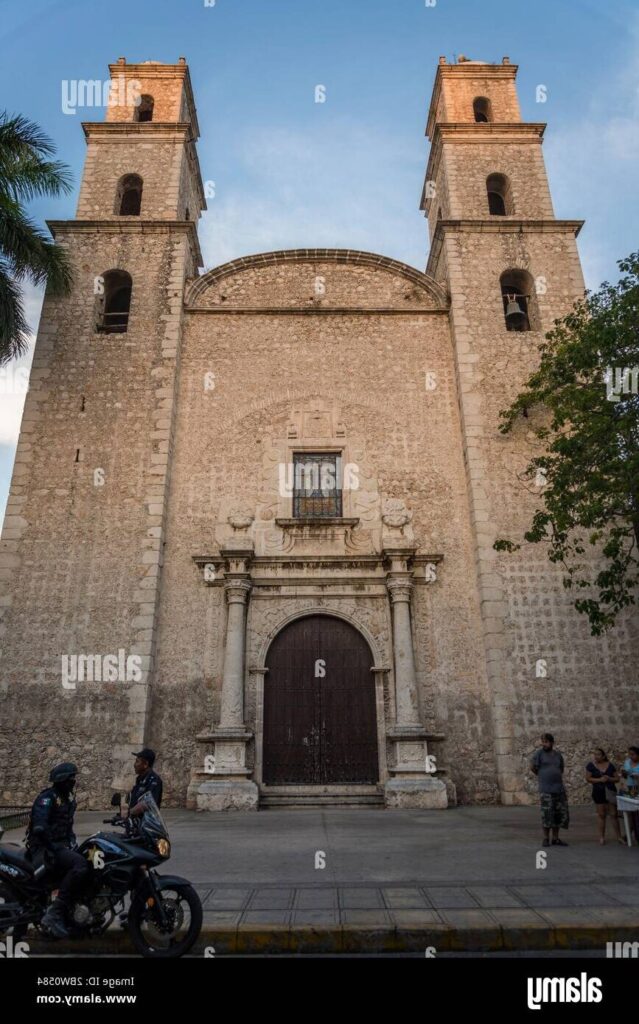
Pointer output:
x,y
82,542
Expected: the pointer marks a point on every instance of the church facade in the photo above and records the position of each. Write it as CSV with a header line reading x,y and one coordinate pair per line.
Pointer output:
x,y
253,510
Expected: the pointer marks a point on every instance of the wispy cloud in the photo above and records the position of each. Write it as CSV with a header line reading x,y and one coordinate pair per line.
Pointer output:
x,y
595,161
345,185
14,376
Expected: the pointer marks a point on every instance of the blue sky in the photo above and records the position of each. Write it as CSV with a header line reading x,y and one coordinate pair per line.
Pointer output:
x,y
290,172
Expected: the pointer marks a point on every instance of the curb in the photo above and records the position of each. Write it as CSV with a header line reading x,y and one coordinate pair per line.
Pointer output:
x,y
311,939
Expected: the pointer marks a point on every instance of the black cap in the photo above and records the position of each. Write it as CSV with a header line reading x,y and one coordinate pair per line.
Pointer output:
x,y
63,772
146,754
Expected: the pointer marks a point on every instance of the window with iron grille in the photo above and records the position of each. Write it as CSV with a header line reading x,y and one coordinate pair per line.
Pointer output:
x,y
317,486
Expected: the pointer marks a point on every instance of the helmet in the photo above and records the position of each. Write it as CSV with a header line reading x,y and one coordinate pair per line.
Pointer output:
x,y
63,772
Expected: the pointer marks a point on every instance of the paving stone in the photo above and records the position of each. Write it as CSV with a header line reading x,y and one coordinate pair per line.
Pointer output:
x,y
361,899
450,897
404,898
494,896
271,899
316,899
622,893
227,899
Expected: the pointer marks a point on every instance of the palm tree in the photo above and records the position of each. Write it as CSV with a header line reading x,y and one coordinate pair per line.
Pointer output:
x,y
26,253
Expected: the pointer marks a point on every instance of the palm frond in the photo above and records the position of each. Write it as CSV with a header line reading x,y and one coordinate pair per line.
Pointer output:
x,y
14,329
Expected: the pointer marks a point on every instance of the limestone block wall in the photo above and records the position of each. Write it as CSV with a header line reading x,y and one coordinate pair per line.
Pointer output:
x,y
528,616
463,82
523,164
162,82
157,156
82,545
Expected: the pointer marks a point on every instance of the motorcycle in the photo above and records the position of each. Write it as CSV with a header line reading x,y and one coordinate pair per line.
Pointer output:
x,y
164,915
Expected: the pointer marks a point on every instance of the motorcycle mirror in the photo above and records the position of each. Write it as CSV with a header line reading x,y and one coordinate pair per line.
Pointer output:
x,y
115,800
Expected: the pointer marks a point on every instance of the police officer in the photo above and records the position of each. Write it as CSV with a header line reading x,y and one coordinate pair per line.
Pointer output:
x,y
51,840
147,781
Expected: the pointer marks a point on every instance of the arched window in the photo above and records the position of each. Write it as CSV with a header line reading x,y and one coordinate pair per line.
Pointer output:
x,y
499,195
482,109
519,300
128,199
144,110
114,303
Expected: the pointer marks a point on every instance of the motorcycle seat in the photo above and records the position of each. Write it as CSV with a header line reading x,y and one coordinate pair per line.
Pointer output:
x,y
18,857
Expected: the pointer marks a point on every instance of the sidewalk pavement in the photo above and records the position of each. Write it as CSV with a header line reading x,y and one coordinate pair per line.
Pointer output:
x,y
368,880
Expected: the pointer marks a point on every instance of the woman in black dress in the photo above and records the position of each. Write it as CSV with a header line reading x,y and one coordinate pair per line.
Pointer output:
x,y
602,775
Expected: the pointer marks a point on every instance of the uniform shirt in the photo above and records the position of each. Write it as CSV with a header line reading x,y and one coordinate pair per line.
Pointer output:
x,y
54,814
550,766
147,783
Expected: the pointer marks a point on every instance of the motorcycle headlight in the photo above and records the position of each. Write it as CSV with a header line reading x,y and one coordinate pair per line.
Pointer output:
x,y
163,847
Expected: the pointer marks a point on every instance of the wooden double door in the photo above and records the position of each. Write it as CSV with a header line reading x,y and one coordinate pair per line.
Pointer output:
x,y
320,722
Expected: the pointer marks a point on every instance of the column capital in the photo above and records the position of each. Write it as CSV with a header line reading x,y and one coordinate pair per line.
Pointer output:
x,y
400,588
237,590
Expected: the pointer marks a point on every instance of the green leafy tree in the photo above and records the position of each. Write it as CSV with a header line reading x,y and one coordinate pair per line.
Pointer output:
x,y
26,252
587,429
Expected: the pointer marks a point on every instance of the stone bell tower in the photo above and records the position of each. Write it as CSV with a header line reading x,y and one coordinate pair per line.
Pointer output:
x,y
87,508
511,268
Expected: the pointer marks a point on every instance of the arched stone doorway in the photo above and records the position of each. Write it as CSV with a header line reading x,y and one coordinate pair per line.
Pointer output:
x,y
320,720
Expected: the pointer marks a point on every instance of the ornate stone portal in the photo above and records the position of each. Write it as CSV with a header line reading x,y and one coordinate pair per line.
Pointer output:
x,y
273,569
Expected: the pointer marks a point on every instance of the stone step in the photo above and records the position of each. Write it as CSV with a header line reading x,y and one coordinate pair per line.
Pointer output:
x,y
322,796
323,800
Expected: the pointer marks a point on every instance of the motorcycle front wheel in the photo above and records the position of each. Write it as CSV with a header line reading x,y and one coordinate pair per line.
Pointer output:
x,y
183,911
9,898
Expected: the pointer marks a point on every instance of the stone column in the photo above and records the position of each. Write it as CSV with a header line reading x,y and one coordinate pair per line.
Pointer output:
x,y
224,784
413,782
407,701
237,592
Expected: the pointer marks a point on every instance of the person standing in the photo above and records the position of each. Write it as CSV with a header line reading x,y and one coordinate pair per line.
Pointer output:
x,y
146,781
630,773
548,765
602,776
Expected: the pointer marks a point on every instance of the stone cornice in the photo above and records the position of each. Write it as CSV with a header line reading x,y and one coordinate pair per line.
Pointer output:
x,y
293,570
180,131
127,226
498,226
315,311
465,134
344,256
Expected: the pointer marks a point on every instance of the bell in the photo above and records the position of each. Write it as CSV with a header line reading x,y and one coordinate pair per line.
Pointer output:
x,y
516,319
